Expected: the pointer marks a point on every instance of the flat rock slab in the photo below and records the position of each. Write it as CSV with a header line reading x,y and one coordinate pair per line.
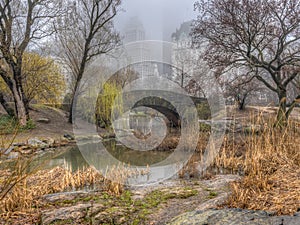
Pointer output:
x,y
65,196
71,213
233,217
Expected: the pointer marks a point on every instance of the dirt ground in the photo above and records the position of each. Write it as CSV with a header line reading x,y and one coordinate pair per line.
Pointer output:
x,y
56,127
250,112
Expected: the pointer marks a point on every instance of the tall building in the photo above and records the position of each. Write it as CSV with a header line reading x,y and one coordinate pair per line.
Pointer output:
x,y
150,53
138,51
134,31
182,35
184,59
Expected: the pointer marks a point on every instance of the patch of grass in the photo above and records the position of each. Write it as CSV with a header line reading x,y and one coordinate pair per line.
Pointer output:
x,y
118,207
155,198
137,211
181,194
55,108
212,194
35,185
126,198
74,201
203,127
29,125
9,125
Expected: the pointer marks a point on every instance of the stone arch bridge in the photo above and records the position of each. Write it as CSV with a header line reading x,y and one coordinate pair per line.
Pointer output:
x,y
161,101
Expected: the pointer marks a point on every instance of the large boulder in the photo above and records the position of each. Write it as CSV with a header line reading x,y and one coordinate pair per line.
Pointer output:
x,y
70,213
233,217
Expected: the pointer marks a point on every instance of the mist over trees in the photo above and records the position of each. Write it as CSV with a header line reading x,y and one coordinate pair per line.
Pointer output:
x,y
262,35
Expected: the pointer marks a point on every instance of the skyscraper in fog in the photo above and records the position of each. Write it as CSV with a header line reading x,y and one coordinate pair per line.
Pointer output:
x,y
134,31
139,51
150,53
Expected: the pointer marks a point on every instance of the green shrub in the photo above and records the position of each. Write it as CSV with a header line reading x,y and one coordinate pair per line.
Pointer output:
x,y
203,127
7,124
204,112
10,125
29,126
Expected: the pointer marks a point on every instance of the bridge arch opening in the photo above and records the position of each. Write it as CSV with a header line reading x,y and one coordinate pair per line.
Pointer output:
x,y
162,106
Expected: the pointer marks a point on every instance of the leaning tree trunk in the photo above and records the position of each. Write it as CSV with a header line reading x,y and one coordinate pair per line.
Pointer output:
x,y
78,80
73,104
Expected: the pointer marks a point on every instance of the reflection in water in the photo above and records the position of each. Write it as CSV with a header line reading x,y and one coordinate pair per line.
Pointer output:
x,y
140,131
73,159
134,158
141,123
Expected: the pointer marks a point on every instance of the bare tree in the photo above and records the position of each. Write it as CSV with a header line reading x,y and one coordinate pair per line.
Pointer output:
x,y
85,32
123,77
21,23
240,85
261,34
183,65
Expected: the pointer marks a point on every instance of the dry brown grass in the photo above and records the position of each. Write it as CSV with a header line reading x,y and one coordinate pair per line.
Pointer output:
x,y
23,203
26,193
116,177
191,168
270,161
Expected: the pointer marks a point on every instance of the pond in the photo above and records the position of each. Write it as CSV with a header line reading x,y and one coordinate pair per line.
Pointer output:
x,y
73,159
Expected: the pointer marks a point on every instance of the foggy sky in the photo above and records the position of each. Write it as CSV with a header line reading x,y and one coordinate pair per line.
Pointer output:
x,y
159,17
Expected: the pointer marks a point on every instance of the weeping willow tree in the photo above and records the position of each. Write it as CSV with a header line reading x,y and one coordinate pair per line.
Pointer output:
x,y
109,104
108,95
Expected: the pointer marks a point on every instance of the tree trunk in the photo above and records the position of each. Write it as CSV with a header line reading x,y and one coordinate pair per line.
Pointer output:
x,y
6,107
78,79
73,104
70,119
242,103
21,105
15,86
292,106
182,79
282,116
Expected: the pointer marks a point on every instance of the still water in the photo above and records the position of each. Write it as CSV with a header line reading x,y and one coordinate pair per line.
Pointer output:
x,y
73,159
